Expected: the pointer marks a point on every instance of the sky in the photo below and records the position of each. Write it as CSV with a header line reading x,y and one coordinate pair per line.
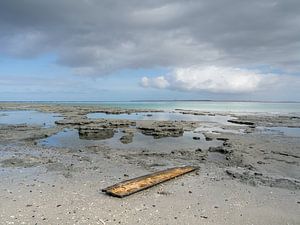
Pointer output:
x,y
112,50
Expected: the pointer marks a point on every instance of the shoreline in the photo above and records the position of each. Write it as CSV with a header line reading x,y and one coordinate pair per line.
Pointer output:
x,y
245,176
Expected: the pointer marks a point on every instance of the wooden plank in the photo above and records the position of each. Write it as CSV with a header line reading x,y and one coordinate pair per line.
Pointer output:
x,y
134,185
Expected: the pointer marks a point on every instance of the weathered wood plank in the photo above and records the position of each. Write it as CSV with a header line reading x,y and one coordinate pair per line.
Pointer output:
x,y
134,185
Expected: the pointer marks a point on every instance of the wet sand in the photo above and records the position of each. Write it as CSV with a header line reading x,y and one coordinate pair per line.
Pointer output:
x,y
247,174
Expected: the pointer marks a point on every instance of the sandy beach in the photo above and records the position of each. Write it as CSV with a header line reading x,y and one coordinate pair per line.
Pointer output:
x,y
249,169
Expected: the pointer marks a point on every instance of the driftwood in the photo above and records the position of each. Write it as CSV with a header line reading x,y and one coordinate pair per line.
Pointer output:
x,y
131,186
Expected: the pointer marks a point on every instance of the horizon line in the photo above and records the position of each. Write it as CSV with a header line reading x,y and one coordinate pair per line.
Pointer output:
x,y
154,100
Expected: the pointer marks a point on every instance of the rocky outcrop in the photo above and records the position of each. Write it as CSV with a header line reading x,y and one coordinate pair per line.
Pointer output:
x,y
25,132
218,149
127,138
104,123
208,137
254,178
272,121
118,123
74,122
162,129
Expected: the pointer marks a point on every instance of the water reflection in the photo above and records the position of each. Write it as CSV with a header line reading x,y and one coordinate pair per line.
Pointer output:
x,y
95,134
70,138
30,117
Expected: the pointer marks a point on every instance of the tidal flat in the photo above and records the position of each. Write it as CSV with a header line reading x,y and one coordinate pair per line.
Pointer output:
x,y
55,159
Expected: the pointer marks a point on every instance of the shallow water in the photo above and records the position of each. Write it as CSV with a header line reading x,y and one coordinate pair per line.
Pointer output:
x,y
29,117
286,131
70,138
163,116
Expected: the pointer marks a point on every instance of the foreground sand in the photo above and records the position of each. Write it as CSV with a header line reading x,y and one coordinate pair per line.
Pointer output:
x,y
253,178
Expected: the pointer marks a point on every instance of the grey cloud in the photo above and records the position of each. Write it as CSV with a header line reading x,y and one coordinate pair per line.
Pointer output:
x,y
99,37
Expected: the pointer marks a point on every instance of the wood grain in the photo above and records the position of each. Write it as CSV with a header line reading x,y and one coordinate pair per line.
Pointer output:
x,y
131,186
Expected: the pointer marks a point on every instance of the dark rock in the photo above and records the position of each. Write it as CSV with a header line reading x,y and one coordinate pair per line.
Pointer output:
x,y
222,139
208,138
286,154
241,122
226,144
73,122
127,138
219,149
157,164
164,193
119,123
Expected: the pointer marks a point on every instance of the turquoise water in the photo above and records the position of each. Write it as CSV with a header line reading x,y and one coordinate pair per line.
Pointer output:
x,y
210,106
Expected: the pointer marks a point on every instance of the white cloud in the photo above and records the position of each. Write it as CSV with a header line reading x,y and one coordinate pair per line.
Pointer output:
x,y
212,79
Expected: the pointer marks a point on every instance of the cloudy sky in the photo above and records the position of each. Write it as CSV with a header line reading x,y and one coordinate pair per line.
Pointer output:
x,y
150,49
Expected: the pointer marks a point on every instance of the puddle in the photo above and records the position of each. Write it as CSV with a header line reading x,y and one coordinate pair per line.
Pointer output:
x,y
30,117
70,138
286,131
163,116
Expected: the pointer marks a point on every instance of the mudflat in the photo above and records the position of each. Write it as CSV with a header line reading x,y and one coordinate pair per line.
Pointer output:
x,y
53,172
